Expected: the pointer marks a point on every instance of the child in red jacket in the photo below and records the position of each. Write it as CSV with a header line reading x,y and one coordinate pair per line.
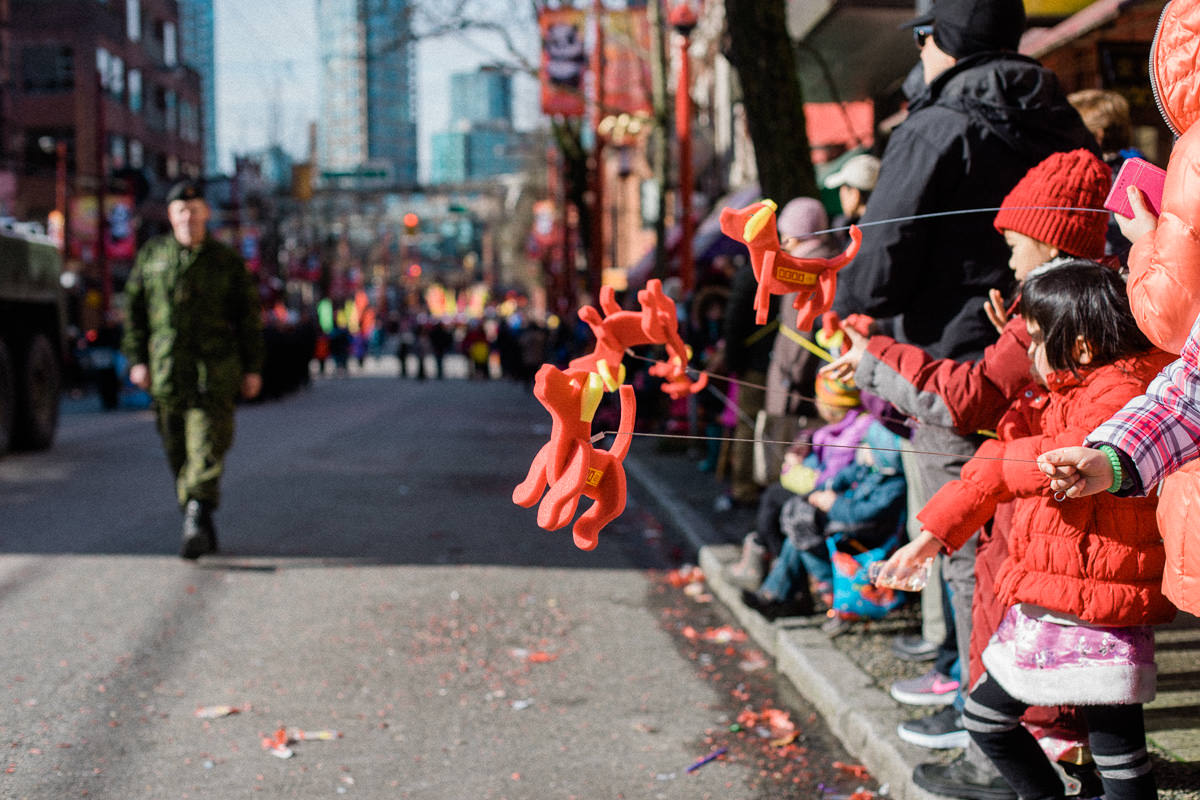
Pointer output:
x,y
1155,437
1045,222
1082,580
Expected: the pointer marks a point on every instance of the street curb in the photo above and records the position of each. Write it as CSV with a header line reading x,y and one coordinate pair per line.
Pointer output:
x,y
861,715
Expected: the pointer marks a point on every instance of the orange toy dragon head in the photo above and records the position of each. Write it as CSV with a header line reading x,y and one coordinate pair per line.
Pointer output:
x,y
777,272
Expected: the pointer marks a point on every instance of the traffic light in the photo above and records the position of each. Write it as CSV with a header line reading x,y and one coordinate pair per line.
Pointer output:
x,y
414,270
411,221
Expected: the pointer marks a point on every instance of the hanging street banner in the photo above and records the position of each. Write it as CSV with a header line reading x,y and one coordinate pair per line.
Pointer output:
x,y
627,63
564,61
119,240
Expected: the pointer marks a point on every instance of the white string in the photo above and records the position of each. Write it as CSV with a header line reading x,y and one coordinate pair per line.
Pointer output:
x,y
956,212
888,418
600,435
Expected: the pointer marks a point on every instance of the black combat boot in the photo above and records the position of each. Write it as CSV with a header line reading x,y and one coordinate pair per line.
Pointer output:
x,y
199,535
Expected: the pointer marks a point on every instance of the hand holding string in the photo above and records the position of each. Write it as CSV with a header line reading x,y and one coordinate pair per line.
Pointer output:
x,y
844,367
1077,471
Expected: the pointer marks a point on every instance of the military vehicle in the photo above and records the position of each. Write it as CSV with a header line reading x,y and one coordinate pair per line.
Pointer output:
x,y
32,339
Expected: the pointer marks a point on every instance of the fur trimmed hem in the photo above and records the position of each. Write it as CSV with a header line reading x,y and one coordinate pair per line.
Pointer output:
x,y
1105,685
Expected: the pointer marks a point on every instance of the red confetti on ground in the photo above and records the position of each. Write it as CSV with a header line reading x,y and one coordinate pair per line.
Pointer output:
x,y
857,770
276,741
685,575
777,721
723,634
764,738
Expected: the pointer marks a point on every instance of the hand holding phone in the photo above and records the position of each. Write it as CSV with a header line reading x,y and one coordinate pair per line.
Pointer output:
x,y
1142,174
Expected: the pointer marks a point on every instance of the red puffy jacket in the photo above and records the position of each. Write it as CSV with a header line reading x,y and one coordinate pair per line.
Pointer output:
x,y
1099,558
965,395
1164,273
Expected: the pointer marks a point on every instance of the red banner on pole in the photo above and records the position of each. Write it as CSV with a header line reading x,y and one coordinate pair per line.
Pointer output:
x,y
627,62
564,61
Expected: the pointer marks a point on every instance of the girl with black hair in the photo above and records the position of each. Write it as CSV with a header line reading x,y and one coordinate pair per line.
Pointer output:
x,y
1082,579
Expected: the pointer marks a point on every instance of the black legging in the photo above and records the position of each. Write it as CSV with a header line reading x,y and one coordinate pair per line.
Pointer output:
x,y
1117,735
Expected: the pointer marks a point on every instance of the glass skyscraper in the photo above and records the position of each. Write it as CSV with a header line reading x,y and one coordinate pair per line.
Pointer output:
x,y
368,122
481,142
199,53
484,96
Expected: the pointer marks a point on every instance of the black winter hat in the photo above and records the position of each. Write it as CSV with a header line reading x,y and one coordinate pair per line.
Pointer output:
x,y
965,27
186,190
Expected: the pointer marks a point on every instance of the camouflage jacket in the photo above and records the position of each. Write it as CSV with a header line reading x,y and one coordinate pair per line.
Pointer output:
x,y
194,317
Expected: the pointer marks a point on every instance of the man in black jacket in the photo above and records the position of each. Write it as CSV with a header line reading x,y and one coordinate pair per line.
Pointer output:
x,y
984,116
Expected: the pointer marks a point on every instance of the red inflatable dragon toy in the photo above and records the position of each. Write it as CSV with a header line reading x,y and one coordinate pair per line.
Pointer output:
x,y
616,330
780,273
568,466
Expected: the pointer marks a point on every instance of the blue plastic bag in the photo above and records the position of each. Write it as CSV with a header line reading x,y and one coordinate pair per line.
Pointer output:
x,y
854,596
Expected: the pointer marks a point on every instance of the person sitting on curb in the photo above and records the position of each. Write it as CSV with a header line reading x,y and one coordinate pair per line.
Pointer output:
x,y
850,483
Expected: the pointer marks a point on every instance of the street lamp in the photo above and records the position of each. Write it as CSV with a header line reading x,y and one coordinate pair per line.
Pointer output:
x,y
683,19
622,132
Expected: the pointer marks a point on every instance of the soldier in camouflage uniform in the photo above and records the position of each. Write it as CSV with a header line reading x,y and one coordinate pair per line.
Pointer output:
x,y
194,337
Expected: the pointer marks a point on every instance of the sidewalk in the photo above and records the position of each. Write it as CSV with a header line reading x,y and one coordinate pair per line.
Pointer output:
x,y
847,678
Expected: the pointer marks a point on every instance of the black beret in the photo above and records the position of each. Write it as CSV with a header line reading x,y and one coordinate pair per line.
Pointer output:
x,y
186,190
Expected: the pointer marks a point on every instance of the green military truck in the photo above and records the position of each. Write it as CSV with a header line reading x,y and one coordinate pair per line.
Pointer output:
x,y
32,341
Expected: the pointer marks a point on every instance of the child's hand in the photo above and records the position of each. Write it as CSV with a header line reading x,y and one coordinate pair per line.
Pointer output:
x,y
823,500
842,369
1144,220
908,559
997,314
1077,471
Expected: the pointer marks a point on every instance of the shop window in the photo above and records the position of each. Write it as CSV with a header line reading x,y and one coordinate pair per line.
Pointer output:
x,y
47,68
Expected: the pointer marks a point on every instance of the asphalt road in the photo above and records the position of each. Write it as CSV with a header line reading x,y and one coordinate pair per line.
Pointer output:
x,y
376,581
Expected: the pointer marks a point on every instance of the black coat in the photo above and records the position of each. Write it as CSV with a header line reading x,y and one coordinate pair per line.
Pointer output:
x,y
969,137
747,344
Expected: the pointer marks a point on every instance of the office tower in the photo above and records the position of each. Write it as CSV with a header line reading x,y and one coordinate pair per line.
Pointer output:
x,y
367,128
482,97
198,52
481,142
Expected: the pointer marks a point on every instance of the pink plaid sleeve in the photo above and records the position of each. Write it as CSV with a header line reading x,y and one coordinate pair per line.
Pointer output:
x,y
1160,430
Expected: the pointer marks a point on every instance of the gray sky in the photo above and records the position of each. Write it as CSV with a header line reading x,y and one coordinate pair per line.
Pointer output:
x,y
267,77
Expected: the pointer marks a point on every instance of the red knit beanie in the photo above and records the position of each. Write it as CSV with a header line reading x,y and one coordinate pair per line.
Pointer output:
x,y
1076,179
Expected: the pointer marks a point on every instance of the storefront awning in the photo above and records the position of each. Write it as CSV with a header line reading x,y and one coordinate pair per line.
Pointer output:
x,y
1037,42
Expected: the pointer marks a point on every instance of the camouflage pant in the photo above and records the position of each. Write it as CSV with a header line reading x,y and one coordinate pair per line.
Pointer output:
x,y
196,437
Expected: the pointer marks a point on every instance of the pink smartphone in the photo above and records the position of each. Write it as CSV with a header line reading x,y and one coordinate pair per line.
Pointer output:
x,y
1142,174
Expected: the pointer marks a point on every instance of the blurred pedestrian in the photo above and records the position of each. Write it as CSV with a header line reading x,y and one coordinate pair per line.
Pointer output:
x,y
1106,114
441,339
194,338
854,182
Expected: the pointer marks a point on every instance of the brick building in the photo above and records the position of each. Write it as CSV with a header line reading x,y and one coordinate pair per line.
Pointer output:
x,y
105,79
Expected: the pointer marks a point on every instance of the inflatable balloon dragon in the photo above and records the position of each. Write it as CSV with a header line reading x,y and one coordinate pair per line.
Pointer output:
x,y
568,466
777,271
